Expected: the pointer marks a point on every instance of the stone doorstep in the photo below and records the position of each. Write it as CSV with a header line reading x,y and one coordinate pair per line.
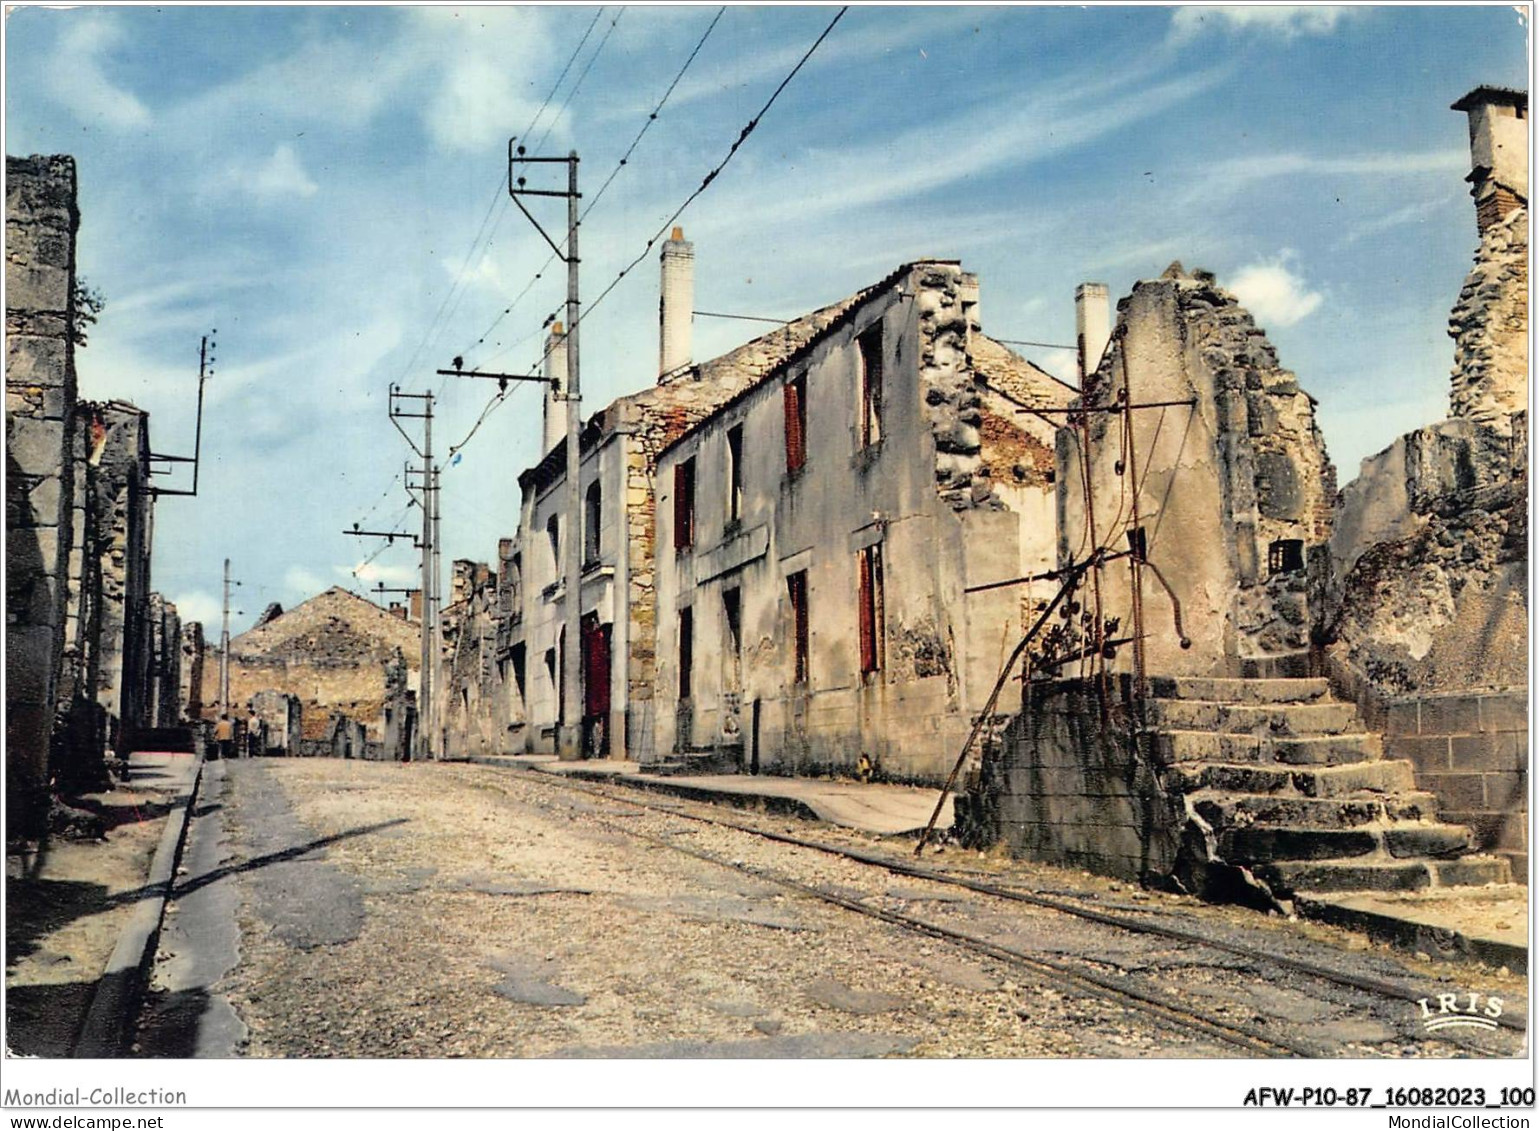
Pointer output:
x,y
1371,875
1481,924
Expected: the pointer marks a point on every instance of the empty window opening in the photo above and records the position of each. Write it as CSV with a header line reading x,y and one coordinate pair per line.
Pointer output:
x,y
1286,555
517,655
735,473
732,616
796,589
872,614
686,653
553,532
684,505
870,348
592,517
796,424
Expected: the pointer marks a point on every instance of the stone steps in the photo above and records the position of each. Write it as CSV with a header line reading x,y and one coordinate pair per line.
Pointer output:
x,y
1178,745
1230,810
1287,877
1396,776
1296,719
1252,844
1239,690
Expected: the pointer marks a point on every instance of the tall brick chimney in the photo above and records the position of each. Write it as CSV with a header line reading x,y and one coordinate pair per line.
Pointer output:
x,y
1092,324
676,307
555,407
1498,176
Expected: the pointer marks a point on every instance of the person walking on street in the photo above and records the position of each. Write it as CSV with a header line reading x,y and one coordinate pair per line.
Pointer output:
x,y
224,735
253,734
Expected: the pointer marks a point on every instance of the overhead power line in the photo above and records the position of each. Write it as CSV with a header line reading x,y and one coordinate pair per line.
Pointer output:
x,y
706,182
602,189
429,335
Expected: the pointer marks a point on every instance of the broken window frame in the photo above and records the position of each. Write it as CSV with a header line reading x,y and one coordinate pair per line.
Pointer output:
x,y
872,612
735,475
1285,555
732,621
796,423
796,593
868,350
684,504
686,651
553,535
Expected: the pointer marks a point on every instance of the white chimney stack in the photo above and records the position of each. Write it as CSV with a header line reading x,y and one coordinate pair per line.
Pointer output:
x,y
1092,322
676,309
555,407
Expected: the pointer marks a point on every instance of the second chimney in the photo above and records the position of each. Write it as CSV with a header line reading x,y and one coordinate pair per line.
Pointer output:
x,y
1092,322
555,407
676,308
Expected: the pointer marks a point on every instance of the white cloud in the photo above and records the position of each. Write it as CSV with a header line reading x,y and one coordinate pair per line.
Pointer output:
x,y
372,572
1282,21
78,80
281,175
198,606
305,582
483,60
1273,293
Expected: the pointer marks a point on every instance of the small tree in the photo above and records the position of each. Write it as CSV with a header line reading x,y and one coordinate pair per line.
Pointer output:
x,y
89,303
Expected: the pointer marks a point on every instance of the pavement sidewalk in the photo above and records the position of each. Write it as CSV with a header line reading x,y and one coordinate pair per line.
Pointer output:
x,y
105,1031
883,810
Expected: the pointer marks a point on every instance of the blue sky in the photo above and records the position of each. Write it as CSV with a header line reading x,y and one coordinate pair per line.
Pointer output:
x,y
311,181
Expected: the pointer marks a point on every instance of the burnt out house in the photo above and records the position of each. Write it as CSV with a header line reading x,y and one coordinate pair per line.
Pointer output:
x,y
832,538
620,445
1253,686
340,656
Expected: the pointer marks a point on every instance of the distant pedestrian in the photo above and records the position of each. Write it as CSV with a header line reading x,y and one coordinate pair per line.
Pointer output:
x,y
224,735
253,734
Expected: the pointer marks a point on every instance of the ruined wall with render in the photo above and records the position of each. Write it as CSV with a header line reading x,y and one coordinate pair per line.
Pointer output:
x,y
165,699
41,220
80,735
191,670
1231,471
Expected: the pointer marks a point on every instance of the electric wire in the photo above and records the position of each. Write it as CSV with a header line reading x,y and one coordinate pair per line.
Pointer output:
x,y
599,195
706,183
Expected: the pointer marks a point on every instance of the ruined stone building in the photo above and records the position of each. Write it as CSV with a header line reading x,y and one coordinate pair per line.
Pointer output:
x,y
341,657
620,445
1430,591
92,654
41,220
1235,635
830,540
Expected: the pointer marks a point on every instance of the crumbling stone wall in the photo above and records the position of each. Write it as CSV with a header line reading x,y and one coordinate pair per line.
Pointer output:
x,y
165,702
1489,325
190,674
282,718
1232,478
79,737
121,539
474,709
336,653
41,221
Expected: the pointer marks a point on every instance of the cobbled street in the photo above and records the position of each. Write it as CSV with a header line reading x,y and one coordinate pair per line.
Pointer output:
x,y
330,908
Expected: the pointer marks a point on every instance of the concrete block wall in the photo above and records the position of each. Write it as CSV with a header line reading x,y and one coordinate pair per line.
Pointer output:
x,y
1471,749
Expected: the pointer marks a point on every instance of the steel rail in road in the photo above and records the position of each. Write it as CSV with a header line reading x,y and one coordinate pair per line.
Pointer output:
x,y
1363,983
1116,990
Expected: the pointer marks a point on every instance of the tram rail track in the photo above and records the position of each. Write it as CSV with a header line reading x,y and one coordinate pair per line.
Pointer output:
x,y
1118,989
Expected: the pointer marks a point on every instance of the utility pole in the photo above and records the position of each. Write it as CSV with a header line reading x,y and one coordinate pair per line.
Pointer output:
x,y
224,646
429,544
206,351
569,733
